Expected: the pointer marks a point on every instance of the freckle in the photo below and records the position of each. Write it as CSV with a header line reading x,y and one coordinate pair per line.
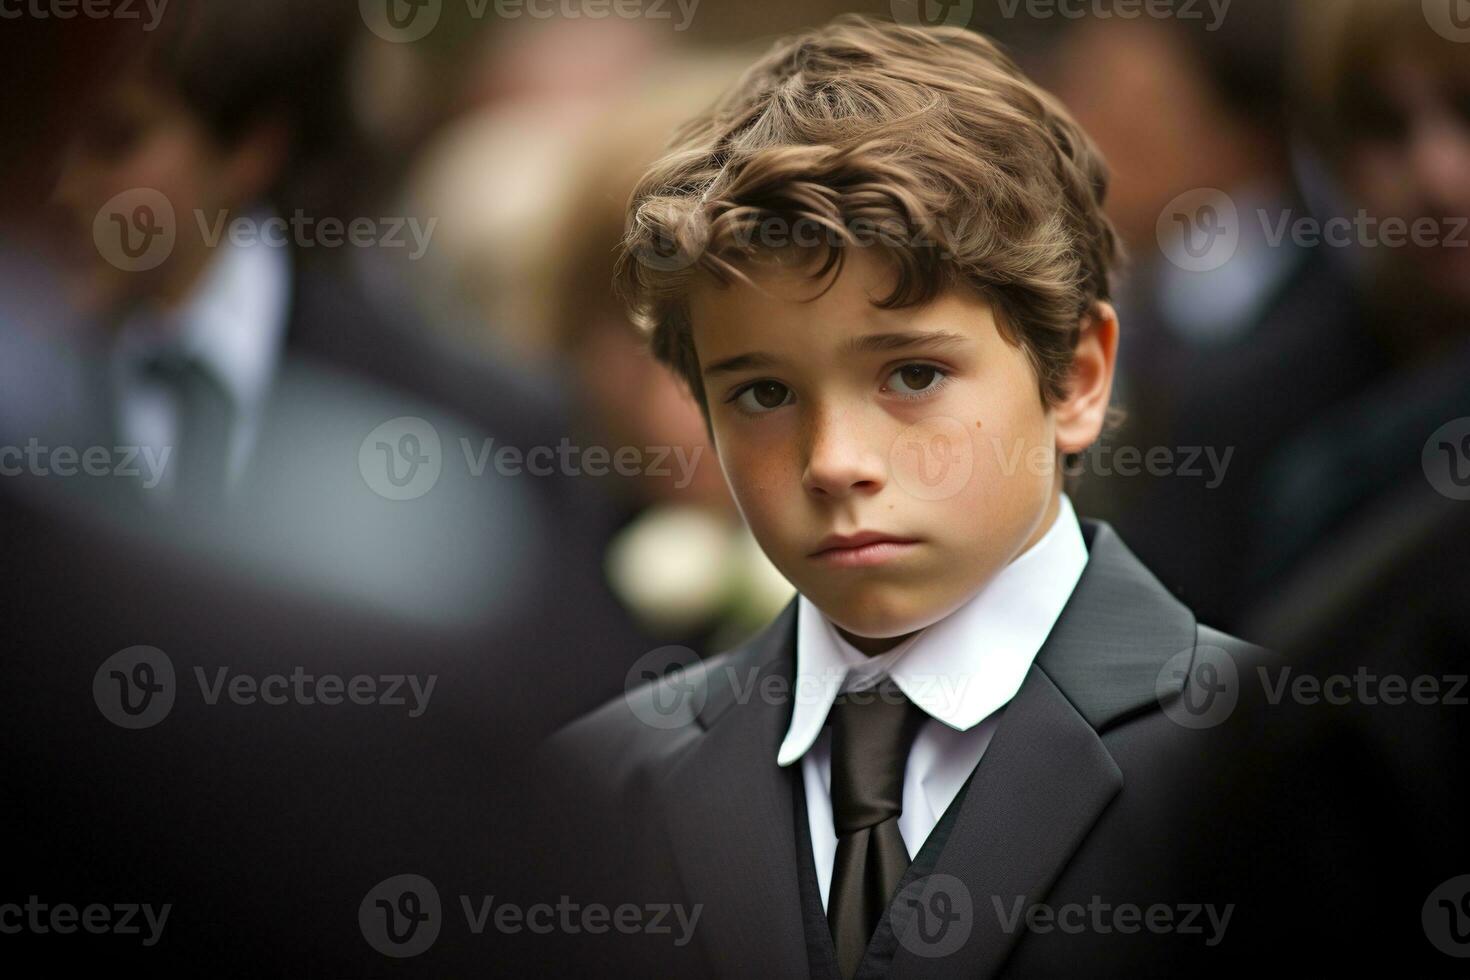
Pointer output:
x,y
979,425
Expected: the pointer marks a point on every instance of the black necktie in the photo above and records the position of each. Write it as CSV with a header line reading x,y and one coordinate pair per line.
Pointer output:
x,y
871,734
204,415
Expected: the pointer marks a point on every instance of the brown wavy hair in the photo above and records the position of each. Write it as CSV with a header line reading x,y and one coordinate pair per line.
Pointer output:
x,y
927,142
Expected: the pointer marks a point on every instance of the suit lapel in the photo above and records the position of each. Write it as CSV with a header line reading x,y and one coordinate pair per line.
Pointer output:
x,y
1041,785
1108,650
730,814
1046,777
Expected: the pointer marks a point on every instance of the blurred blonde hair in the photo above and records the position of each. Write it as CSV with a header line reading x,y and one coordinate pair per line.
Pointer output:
x,y
1340,45
612,157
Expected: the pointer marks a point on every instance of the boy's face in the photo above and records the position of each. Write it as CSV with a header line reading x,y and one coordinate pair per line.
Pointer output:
x,y
924,425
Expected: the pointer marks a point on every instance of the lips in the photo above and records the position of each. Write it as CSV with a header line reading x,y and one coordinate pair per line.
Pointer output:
x,y
865,550
849,542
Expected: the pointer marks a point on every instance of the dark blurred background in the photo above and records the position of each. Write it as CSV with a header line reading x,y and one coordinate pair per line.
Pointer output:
x,y
309,362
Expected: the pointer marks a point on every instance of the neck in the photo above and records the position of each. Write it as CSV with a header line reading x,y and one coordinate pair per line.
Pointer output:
x,y
872,645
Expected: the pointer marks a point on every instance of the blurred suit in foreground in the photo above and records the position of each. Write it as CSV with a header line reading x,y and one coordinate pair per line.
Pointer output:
x,y
297,650
264,825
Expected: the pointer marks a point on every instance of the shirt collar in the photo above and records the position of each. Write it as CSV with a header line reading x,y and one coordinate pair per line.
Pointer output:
x,y
961,669
233,322
1218,307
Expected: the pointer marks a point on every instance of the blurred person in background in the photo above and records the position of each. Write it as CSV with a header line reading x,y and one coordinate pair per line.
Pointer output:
x,y
1237,340
500,172
1363,526
1385,104
230,113
677,552
1375,569
254,360
287,535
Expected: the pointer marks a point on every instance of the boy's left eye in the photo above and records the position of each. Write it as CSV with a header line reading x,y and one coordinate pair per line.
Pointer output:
x,y
915,379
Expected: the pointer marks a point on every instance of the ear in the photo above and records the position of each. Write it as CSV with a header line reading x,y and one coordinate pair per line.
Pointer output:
x,y
1080,417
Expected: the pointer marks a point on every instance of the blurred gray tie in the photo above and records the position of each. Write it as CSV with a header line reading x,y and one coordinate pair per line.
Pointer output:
x,y
872,731
204,412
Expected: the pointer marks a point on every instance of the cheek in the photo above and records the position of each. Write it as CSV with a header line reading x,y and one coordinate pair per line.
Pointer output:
x,y
1015,424
761,481
1012,462
1379,176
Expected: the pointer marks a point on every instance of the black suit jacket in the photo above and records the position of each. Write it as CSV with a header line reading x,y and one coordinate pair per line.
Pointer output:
x,y
264,826
1095,790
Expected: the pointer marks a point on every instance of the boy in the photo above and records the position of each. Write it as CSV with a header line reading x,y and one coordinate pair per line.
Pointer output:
x,y
881,264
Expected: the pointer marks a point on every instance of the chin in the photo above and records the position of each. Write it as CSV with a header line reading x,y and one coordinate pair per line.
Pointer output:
x,y
879,614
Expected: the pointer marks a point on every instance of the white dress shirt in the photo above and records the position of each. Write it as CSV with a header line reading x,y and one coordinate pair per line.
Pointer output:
x,y
1222,306
961,671
234,323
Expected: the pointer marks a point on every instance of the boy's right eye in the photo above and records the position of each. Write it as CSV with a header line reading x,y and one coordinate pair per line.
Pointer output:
x,y
761,397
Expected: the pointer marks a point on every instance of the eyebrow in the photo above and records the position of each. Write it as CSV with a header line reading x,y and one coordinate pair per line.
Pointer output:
x,y
873,343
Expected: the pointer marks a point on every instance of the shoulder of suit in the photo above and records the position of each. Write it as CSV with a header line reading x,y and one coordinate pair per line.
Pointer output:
x,y
640,724
1244,650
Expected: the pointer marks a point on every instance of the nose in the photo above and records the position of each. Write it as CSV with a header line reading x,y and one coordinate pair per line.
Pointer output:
x,y
841,460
